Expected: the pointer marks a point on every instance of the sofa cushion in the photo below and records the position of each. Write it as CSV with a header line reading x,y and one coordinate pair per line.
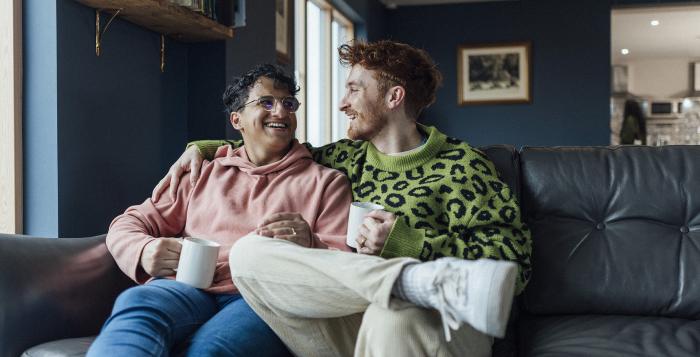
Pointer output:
x,y
613,335
615,230
70,347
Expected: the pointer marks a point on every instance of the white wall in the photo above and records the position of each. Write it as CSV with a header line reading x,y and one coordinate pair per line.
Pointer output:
x,y
668,77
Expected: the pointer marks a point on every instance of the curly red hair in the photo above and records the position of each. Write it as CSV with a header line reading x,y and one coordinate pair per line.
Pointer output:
x,y
397,63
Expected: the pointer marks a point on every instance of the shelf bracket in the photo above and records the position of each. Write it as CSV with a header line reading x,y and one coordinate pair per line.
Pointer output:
x,y
98,33
162,53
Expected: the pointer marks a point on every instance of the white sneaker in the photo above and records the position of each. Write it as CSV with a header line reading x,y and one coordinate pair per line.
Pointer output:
x,y
477,292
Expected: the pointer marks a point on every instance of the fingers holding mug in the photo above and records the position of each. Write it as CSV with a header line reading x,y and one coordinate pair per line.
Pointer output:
x,y
361,240
356,216
160,256
370,243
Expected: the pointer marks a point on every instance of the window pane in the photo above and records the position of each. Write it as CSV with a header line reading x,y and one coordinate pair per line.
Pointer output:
x,y
315,55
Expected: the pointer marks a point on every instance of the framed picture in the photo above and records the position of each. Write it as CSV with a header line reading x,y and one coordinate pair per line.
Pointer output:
x,y
696,72
282,30
494,73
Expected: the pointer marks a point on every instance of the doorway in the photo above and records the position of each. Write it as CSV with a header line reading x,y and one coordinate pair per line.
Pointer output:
x,y
655,54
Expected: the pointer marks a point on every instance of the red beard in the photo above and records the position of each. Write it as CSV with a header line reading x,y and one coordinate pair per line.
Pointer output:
x,y
366,126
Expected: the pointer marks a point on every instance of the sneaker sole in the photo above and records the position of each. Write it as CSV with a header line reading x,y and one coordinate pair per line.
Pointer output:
x,y
501,288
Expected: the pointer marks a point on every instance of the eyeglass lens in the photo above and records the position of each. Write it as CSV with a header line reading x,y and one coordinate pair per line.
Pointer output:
x,y
289,104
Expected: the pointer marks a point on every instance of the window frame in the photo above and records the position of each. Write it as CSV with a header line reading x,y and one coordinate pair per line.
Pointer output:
x,y
11,220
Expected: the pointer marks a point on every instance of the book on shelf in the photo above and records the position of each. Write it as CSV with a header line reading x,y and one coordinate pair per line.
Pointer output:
x,y
208,8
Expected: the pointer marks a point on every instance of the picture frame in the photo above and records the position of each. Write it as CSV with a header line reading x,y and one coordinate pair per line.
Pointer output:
x,y
499,73
282,37
696,73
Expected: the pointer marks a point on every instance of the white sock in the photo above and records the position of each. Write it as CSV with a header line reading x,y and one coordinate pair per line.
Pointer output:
x,y
411,285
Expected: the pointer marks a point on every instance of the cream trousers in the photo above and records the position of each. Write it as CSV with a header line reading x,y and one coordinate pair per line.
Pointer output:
x,y
332,303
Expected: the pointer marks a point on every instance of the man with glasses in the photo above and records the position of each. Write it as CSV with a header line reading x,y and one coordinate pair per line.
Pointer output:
x,y
445,204
239,190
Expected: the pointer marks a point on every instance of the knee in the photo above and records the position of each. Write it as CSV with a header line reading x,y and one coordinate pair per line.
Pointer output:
x,y
151,294
140,295
244,253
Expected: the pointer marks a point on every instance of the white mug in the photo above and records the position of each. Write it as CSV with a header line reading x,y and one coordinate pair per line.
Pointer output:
x,y
358,211
197,262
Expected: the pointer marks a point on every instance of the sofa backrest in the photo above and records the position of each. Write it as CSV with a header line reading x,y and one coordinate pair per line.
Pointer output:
x,y
615,230
505,158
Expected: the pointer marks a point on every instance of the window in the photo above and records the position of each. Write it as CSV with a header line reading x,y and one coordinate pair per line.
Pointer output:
x,y
10,116
320,30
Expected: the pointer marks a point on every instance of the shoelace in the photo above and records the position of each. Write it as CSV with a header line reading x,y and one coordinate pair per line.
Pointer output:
x,y
445,277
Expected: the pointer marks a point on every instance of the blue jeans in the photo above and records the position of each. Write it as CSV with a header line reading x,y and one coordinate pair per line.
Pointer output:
x,y
165,316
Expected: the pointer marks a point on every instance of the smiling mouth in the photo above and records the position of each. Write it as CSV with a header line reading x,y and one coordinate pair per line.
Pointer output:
x,y
277,125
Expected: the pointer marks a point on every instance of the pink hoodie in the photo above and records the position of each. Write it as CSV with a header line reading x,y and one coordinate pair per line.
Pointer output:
x,y
230,199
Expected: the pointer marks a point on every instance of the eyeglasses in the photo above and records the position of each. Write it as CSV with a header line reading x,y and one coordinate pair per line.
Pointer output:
x,y
268,103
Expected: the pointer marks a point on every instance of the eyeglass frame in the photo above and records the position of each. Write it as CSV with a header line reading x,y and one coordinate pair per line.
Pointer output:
x,y
277,100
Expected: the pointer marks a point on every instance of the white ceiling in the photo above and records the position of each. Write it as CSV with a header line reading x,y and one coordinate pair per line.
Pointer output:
x,y
678,34
392,4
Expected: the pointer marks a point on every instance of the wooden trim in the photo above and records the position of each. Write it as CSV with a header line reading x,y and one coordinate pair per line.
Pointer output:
x,y
11,117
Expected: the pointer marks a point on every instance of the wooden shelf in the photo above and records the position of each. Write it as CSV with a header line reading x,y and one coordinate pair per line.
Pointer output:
x,y
160,16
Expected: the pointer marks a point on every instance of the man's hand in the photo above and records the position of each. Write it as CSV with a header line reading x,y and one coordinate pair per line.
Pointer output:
x,y
374,231
287,226
190,160
160,256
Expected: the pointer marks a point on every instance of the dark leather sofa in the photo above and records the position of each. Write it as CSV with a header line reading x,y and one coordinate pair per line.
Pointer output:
x,y
616,265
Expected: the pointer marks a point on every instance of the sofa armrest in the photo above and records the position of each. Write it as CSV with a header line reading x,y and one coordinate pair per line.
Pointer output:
x,y
54,288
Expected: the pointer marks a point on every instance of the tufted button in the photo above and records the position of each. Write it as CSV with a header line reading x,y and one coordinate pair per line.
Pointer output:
x,y
600,226
685,229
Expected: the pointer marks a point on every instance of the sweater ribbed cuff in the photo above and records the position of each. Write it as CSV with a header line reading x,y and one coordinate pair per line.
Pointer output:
x,y
207,148
403,241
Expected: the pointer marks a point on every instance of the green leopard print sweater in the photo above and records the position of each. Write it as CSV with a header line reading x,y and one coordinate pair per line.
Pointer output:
x,y
447,196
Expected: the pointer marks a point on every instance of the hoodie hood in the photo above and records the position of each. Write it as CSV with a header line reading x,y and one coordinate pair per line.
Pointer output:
x,y
238,157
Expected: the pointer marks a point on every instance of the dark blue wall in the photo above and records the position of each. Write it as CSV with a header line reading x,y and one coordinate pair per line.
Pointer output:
x,y
120,120
570,72
111,126
206,83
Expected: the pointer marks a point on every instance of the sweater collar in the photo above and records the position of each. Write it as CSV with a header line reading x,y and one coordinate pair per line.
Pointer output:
x,y
411,160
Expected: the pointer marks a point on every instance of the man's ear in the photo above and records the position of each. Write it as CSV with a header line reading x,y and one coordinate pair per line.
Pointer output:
x,y
395,96
235,120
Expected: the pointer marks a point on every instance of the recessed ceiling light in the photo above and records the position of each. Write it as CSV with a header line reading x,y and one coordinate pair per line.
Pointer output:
x,y
654,22
625,51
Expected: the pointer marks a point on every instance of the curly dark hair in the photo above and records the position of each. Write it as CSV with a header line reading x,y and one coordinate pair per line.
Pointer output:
x,y
400,64
237,92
